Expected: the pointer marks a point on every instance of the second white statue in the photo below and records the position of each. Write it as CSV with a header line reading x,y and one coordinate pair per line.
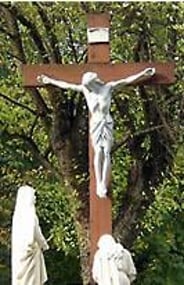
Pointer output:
x,y
112,264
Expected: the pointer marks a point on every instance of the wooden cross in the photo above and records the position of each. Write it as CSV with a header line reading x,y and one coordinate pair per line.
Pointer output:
x,y
99,62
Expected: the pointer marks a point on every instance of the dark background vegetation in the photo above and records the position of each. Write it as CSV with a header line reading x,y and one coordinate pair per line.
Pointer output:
x,y
43,137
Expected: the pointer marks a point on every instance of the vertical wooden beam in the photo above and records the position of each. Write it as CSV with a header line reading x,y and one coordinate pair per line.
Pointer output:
x,y
99,52
100,208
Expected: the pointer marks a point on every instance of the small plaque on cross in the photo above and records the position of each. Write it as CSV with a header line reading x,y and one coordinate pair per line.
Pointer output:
x,y
98,35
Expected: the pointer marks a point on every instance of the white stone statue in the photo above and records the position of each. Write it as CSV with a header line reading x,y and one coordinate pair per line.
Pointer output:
x,y
98,97
28,242
113,264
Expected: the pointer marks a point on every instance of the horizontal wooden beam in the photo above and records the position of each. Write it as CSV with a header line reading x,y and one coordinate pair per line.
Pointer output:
x,y
73,72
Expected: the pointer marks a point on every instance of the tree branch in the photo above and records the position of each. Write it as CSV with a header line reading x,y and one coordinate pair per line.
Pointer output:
x,y
123,108
35,151
71,41
20,59
128,136
32,30
15,34
84,6
48,28
4,31
166,126
33,126
17,103
42,109
42,112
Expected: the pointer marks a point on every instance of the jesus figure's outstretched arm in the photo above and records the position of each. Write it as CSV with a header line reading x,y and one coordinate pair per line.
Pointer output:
x,y
136,78
59,83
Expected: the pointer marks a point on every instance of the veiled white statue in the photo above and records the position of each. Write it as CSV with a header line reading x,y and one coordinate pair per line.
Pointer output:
x,y
113,264
28,242
98,97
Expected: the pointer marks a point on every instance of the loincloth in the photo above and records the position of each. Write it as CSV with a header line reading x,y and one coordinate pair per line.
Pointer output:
x,y
101,131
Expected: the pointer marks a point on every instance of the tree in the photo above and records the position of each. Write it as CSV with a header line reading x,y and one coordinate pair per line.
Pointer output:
x,y
44,133
161,241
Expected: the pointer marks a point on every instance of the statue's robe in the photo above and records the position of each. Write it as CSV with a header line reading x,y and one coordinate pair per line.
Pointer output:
x,y
28,266
113,267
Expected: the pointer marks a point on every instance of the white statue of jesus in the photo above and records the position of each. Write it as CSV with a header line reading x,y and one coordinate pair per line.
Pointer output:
x,y
112,264
98,97
28,242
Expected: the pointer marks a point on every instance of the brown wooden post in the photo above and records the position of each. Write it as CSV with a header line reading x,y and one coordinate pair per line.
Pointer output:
x,y
98,52
100,209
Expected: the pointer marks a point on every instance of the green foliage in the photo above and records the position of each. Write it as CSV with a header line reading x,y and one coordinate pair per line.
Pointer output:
x,y
58,214
4,242
140,31
121,160
161,242
62,268
57,210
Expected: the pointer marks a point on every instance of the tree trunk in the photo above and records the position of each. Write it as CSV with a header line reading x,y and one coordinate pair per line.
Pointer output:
x,y
71,148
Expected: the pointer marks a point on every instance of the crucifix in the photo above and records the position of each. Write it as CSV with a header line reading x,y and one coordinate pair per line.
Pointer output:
x,y
96,79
